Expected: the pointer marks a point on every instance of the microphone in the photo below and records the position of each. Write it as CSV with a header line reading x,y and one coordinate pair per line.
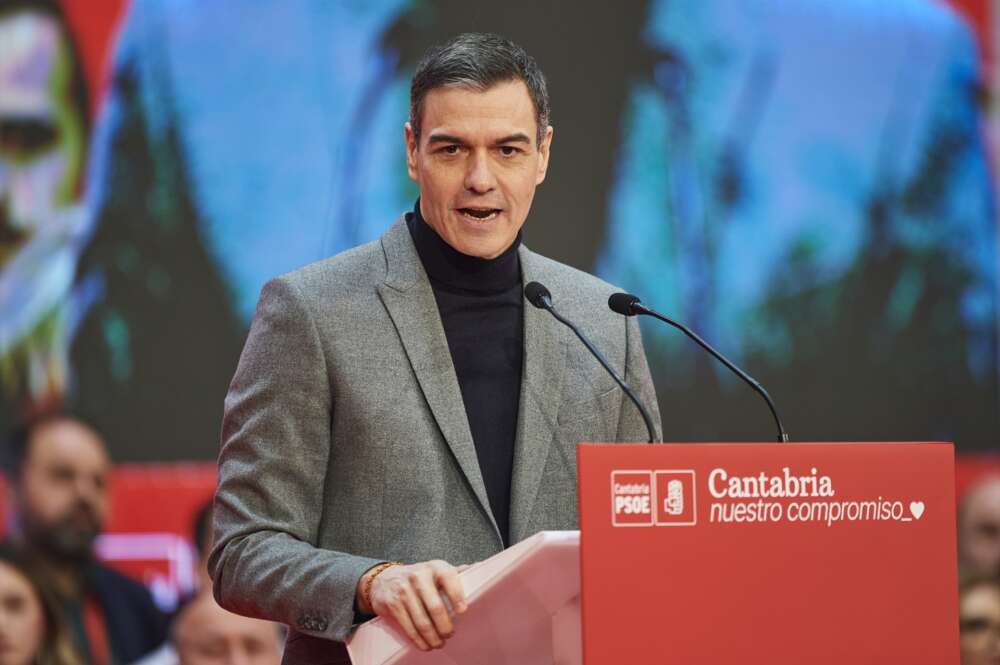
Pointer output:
x,y
540,297
630,305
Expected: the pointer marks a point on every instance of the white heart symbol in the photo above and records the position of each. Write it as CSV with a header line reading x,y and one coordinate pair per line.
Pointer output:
x,y
917,508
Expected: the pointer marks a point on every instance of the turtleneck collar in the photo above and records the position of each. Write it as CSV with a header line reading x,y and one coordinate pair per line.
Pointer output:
x,y
451,269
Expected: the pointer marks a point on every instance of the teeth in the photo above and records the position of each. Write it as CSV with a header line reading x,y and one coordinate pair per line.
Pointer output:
x,y
479,217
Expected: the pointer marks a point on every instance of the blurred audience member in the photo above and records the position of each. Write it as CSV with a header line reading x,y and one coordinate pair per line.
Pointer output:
x,y
202,538
979,619
58,469
32,631
206,634
979,528
201,534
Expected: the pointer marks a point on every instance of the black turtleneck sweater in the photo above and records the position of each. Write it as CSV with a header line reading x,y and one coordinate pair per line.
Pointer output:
x,y
481,309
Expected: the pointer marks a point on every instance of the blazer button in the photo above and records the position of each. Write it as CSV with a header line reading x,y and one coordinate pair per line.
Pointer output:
x,y
310,622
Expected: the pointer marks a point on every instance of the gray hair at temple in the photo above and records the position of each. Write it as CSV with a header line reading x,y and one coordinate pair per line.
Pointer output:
x,y
479,61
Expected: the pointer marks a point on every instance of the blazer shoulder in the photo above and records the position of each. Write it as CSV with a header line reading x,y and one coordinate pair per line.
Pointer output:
x,y
353,271
564,281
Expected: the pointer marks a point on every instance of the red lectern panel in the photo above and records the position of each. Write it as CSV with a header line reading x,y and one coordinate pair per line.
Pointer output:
x,y
768,553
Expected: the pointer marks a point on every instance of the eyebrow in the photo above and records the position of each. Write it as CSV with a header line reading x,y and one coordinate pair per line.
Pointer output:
x,y
518,137
444,138
513,138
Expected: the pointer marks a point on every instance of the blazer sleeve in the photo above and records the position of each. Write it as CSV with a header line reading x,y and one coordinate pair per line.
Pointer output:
x,y
272,472
631,426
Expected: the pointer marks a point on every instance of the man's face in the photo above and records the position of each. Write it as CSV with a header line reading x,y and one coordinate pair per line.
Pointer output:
x,y
979,620
477,163
41,132
979,528
209,635
61,496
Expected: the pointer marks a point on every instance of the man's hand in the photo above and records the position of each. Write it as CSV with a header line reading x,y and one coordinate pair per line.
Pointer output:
x,y
415,596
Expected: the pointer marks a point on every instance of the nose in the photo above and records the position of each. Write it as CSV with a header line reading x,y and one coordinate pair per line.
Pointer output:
x,y
479,177
238,656
89,490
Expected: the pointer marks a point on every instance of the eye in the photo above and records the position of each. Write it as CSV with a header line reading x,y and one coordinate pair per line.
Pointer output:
x,y
508,150
25,137
61,474
451,149
973,625
14,603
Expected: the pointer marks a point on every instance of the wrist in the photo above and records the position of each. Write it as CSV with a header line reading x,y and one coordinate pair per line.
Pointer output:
x,y
363,594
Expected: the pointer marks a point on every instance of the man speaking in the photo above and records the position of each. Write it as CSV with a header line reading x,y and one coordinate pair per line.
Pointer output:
x,y
398,410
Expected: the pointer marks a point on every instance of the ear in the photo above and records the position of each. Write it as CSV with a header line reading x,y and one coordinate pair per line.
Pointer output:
x,y
410,139
543,155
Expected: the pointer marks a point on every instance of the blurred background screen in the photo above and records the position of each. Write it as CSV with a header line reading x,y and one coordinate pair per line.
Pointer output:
x,y
810,185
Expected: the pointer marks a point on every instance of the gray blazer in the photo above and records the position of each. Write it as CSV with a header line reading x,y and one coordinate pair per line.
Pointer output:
x,y
345,441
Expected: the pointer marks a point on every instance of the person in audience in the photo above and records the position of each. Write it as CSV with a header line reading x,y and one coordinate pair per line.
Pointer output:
x,y
32,631
201,538
979,528
58,468
979,619
206,634
201,533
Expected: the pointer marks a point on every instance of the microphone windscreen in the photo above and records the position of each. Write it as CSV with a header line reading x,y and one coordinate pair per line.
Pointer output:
x,y
623,303
537,294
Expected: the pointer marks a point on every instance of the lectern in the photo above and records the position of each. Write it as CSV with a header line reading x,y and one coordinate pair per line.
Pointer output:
x,y
781,554
776,554
524,609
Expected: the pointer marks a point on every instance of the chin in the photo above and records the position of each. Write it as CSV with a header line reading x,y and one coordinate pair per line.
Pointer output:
x,y
484,244
484,250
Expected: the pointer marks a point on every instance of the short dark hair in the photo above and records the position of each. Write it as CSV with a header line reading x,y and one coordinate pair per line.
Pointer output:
x,y
969,580
15,450
201,528
478,60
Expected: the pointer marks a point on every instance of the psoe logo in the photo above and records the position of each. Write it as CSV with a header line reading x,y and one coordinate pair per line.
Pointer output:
x,y
632,498
675,498
648,498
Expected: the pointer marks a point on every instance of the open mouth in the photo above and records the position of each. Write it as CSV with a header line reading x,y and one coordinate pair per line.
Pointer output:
x,y
479,214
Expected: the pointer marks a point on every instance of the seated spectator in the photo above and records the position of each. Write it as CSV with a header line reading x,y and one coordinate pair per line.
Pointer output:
x,y
979,620
201,533
31,626
205,634
58,468
979,528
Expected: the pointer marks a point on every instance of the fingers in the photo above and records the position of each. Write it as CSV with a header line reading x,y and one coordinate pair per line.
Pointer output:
x,y
425,585
420,613
401,613
448,581
415,597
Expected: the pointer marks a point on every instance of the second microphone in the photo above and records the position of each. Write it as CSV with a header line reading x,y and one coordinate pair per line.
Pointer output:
x,y
539,296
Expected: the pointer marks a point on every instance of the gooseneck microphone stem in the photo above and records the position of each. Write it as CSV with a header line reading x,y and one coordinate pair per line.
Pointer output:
x,y
540,297
638,308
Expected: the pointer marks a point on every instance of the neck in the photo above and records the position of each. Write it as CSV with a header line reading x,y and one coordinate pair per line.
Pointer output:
x,y
449,268
65,578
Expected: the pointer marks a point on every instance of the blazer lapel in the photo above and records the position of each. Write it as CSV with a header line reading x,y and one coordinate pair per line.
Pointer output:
x,y
409,299
541,393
